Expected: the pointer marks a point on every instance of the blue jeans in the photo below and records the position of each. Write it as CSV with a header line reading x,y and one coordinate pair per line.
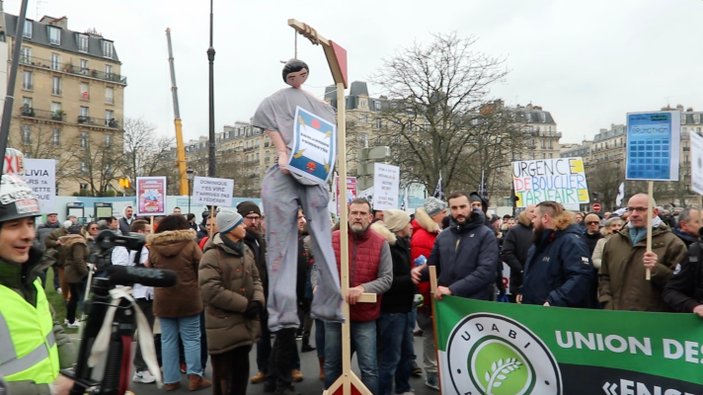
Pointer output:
x,y
363,342
395,352
189,329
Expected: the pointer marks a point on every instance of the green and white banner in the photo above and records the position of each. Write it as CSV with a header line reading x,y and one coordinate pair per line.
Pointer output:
x,y
494,348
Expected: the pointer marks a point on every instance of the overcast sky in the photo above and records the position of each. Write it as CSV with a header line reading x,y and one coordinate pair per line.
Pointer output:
x,y
587,62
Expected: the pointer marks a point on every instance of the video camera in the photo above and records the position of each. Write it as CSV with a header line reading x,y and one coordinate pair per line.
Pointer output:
x,y
110,376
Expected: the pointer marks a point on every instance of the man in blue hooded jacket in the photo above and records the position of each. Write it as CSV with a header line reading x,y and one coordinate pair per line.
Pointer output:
x,y
465,253
558,270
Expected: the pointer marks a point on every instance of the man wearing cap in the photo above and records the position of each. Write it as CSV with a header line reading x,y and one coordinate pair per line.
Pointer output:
x,y
465,254
396,324
251,214
35,346
425,227
370,270
282,192
233,298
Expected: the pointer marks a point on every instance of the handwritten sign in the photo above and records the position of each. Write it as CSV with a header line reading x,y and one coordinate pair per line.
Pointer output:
x,y
40,175
213,191
386,183
151,195
562,180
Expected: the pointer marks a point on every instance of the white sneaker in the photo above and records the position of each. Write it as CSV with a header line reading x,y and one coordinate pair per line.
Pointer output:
x,y
144,377
73,325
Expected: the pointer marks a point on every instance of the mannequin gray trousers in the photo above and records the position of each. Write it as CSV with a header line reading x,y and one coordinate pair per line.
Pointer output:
x,y
281,195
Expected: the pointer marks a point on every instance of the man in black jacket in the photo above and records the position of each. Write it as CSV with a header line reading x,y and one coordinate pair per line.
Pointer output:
x,y
516,243
254,239
684,291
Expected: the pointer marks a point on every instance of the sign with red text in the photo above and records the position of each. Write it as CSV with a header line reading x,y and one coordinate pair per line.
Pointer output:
x,y
562,180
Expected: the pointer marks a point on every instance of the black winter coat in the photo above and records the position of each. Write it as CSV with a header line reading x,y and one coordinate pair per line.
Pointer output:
x,y
684,291
516,244
559,270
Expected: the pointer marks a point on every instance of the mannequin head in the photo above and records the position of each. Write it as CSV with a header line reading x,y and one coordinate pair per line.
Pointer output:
x,y
295,73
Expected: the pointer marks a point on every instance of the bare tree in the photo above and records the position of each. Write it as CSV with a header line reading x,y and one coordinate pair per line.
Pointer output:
x,y
145,153
432,119
41,143
96,163
604,180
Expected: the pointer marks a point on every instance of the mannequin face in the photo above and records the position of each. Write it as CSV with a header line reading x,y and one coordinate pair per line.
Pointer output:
x,y
297,78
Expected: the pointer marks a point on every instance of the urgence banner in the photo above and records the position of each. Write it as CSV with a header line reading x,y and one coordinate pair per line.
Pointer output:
x,y
508,349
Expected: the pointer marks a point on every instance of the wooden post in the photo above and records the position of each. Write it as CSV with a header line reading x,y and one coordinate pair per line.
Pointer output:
x,y
212,218
347,381
650,195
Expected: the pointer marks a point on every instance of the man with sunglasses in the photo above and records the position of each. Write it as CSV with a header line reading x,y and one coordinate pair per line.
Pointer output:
x,y
622,281
558,269
592,233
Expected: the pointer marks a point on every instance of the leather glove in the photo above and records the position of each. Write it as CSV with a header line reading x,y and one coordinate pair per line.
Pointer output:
x,y
253,309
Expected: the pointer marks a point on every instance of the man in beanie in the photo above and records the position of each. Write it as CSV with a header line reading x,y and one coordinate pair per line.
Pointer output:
x,y
477,201
251,214
370,270
465,255
29,329
282,192
233,299
395,327
425,227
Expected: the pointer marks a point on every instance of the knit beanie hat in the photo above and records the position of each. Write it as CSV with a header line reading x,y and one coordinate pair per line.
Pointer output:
x,y
395,220
74,229
433,206
247,207
475,197
227,220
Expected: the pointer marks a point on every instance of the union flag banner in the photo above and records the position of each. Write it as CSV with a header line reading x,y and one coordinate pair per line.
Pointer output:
x,y
509,349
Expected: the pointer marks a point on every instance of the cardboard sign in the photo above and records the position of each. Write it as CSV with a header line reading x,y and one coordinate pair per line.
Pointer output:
x,y
562,180
696,163
213,191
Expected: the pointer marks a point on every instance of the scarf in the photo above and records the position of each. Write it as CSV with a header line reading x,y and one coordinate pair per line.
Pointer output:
x,y
637,234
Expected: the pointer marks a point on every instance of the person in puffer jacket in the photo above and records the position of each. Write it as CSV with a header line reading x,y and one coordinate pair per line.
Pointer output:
x,y
558,270
234,299
465,254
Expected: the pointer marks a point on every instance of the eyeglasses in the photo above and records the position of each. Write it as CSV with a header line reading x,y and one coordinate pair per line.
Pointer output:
x,y
640,209
593,223
253,217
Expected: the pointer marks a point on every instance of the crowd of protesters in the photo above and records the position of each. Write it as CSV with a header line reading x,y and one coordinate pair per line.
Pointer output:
x,y
218,308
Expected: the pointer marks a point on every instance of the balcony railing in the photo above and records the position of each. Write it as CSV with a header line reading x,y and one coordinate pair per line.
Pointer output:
x,y
72,69
60,116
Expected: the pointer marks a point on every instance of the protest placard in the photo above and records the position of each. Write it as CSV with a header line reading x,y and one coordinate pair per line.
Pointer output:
x,y
696,163
151,196
562,180
386,183
40,175
314,147
213,191
653,141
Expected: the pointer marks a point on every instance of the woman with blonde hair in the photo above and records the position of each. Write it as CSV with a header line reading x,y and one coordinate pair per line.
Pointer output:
x,y
612,226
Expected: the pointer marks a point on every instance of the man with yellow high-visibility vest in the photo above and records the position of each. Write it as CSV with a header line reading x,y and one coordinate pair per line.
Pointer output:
x,y
32,347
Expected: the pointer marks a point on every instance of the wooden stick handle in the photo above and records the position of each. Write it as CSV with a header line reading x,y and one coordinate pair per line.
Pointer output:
x,y
650,194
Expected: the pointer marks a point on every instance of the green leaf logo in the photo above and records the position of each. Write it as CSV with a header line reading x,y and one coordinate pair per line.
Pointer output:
x,y
499,372
500,369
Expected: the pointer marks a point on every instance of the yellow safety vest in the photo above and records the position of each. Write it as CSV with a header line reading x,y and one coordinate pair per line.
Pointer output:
x,y
28,350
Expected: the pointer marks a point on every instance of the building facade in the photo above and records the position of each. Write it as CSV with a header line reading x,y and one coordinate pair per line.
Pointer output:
x,y
69,102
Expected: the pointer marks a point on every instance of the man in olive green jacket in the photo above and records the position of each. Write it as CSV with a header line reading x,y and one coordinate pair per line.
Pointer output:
x,y
622,283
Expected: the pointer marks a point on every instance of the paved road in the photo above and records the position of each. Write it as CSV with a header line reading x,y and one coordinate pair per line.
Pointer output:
x,y
309,386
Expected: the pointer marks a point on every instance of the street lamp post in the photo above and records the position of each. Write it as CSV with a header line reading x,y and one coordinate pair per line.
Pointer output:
x,y
189,174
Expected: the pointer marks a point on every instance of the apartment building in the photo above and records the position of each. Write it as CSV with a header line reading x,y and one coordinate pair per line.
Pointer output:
x,y
69,102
